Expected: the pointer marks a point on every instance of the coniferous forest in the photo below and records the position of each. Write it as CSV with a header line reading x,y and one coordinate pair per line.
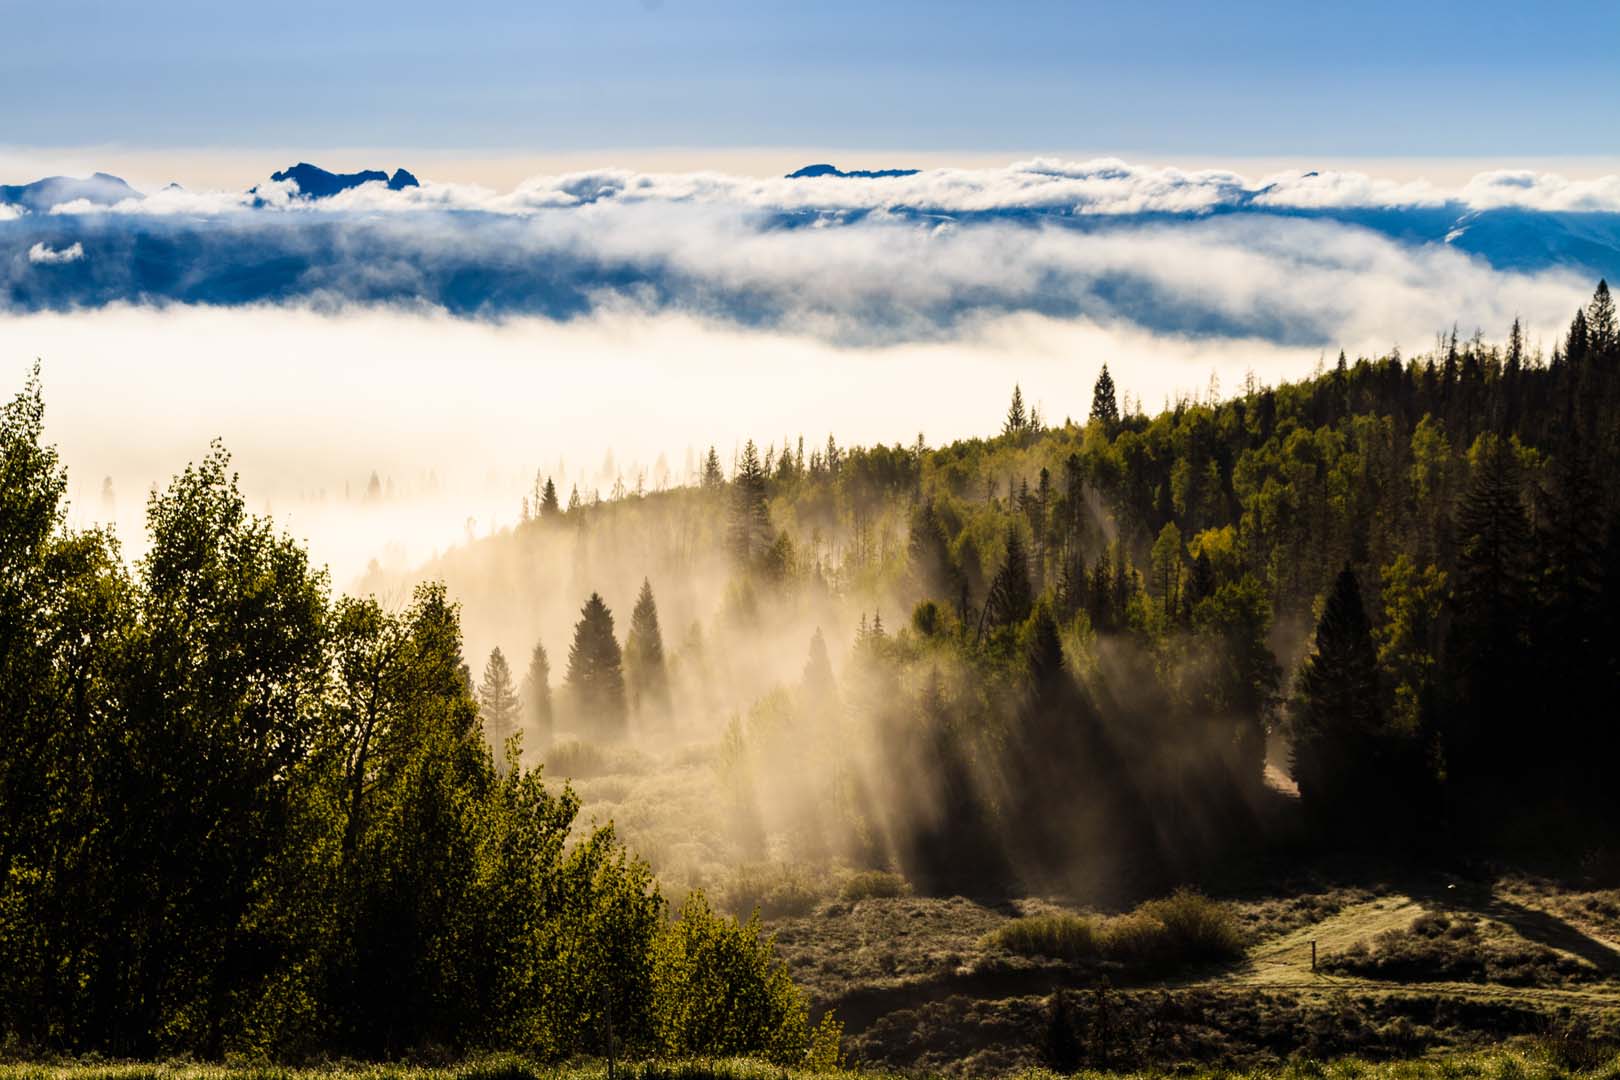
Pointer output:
x,y
1375,612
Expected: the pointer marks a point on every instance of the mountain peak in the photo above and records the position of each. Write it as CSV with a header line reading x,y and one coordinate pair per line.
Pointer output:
x,y
810,172
317,183
99,189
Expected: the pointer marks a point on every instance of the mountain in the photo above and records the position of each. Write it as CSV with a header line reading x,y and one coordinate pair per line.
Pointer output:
x,y
810,172
101,189
315,182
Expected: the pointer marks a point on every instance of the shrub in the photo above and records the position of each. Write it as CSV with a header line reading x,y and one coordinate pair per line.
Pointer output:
x,y
1184,928
771,891
1060,936
575,760
719,990
1196,927
875,885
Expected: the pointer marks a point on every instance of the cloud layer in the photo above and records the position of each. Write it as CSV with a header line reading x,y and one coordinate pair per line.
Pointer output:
x,y
1299,259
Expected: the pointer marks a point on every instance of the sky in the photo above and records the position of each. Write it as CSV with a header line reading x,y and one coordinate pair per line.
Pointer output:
x,y
1485,80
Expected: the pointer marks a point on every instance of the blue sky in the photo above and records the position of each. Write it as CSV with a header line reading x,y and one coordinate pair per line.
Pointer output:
x,y
1482,79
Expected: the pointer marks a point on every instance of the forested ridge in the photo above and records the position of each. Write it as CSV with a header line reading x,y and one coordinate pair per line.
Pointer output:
x,y
239,815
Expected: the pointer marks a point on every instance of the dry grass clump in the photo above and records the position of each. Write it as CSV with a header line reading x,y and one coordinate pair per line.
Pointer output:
x,y
1184,928
874,885
1058,936
773,890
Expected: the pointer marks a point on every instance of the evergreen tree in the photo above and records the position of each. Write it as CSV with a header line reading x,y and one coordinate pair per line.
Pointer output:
x,y
537,693
1011,595
1336,721
1603,334
644,656
749,531
498,704
549,506
713,479
596,673
1104,406
1017,423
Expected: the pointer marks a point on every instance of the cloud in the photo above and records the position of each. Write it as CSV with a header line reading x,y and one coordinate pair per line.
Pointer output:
x,y
1312,259
44,255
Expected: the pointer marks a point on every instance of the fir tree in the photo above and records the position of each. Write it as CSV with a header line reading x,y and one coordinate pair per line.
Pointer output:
x,y
1011,595
549,507
1336,717
498,704
749,531
1017,422
596,673
1104,405
644,655
537,693
713,479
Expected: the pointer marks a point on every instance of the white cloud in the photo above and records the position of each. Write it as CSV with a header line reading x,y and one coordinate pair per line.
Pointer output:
x,y
44,255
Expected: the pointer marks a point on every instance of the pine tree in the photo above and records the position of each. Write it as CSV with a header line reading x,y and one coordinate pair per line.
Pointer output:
x,y
1603,335
549,507
713,479
596,671
1017,422
537,693
644,656
820,690
1011,596
749,531
1336,718
498,704
1104,405
1491,598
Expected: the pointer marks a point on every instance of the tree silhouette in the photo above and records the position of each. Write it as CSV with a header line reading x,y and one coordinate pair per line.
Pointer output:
x,y
596,672
644,655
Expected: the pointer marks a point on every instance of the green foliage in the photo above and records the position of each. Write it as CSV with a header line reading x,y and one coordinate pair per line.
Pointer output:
x,y
241,819
718,990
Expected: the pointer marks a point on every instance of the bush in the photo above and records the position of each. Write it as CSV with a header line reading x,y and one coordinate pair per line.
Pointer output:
x,y
1061,937
1196,927
575,760
770,891
719,990
1185,928
875,885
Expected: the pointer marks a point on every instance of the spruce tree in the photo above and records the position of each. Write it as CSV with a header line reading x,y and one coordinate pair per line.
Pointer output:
x,y
1603,335
1017,422
1336,718
537,693
498,703
596,672
749,530
1011,595
644,655
713,479
549,506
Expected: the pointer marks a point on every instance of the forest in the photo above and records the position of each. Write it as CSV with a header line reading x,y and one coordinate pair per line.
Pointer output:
x,y
1375,611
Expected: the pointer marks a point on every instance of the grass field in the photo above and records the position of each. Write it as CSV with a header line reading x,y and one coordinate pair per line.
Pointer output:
x,y
1538,1061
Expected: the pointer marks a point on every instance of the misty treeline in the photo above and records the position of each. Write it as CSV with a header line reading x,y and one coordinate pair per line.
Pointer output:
x,y
239,816
1055,657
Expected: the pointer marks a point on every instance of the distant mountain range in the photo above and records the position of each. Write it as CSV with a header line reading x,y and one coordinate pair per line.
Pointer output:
x,y
483,259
